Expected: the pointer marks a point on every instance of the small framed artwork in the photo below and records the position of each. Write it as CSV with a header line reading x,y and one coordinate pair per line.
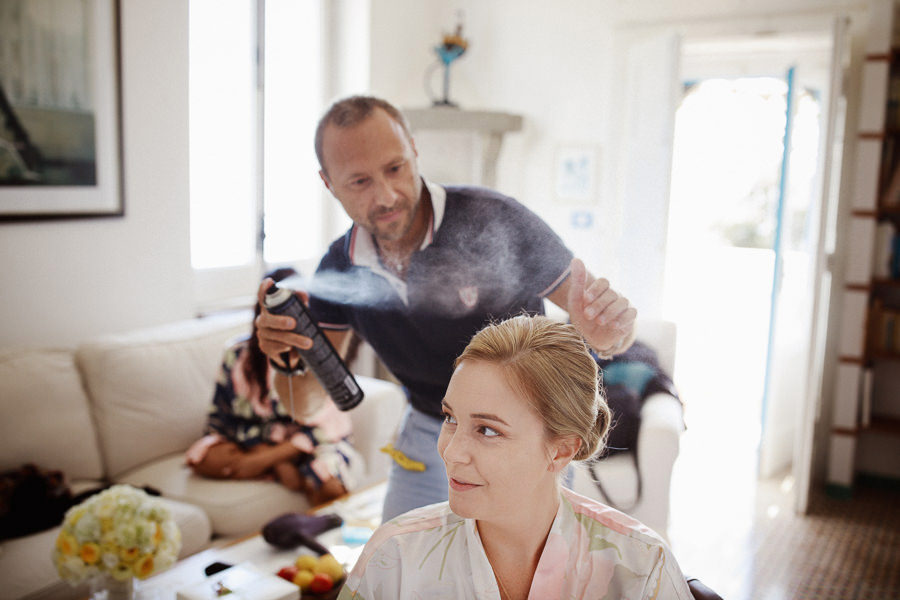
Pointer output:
x,y
60,110
576,169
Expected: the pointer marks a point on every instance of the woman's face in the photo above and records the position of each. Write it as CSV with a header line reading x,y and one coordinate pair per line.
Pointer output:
x,y
498,460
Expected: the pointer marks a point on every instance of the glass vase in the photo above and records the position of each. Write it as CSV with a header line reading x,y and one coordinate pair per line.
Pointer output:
x,y
108,588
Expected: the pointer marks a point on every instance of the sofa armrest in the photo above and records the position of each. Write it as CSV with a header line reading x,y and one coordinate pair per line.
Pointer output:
x,y
658,445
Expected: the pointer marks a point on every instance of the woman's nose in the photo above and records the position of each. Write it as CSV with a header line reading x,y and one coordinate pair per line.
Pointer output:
x,y
456,448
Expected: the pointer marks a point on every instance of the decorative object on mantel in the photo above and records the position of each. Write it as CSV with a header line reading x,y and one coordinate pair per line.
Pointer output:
x,y
452,46
113,537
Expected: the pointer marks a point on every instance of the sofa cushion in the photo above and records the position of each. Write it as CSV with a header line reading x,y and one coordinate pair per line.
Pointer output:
x,y
26,566
235,508
46,415
375,422
151,388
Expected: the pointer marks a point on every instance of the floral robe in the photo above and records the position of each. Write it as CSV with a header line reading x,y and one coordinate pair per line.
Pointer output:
x,y
592,552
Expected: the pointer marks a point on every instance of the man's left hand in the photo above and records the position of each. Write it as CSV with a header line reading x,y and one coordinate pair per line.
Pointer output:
x,y
603,316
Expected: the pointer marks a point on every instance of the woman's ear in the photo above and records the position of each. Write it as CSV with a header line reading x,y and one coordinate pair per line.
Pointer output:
x,y
563,451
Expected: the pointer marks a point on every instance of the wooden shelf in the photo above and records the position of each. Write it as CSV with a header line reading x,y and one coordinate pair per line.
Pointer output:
x,y
885,282
884,424
881,355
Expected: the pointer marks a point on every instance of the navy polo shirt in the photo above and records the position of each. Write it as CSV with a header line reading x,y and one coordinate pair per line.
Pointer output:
x,y
489,258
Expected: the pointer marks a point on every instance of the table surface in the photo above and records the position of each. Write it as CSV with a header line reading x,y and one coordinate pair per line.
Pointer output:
x,y
361,509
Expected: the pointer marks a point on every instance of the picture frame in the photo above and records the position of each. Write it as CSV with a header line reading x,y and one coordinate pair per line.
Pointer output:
x,y
576,173
60,110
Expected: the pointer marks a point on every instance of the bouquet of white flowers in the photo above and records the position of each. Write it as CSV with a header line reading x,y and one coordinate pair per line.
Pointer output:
x,y
122,531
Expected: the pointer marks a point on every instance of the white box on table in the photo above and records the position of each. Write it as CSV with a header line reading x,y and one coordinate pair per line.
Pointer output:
x,y
245,582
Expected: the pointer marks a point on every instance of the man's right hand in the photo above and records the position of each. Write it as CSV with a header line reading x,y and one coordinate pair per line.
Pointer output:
x,y
276,332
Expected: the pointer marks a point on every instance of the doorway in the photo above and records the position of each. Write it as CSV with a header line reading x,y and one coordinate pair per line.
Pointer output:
x,y
742,237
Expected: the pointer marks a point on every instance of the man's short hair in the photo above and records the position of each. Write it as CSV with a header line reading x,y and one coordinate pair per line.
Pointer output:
x,y
352,111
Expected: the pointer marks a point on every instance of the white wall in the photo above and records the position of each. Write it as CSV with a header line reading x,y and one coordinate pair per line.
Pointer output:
x,y
560,68
557,67
550,66
63,281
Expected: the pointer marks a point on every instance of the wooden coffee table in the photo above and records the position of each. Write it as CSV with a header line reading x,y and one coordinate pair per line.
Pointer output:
x,y
360,511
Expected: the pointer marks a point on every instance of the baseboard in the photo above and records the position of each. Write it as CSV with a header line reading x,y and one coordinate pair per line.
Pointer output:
x,y
839,492
881,482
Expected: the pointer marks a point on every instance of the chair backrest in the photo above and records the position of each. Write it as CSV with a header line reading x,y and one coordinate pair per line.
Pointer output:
x,y
659,335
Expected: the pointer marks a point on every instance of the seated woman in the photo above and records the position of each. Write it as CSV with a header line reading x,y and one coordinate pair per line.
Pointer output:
x,y
522,404
251,433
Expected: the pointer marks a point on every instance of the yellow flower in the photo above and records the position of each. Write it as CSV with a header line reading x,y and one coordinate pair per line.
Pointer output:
x,y
121,572
90,553
76,515
66,543
143,568
129,554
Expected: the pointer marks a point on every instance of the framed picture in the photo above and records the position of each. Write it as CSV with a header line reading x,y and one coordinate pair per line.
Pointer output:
x,y
60,110
576,169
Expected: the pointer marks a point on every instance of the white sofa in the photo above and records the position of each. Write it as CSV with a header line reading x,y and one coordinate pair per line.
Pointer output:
x,y
657,447
124,408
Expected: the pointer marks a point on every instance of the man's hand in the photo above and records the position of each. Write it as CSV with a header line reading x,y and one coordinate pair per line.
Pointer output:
x,y
276,332
602,316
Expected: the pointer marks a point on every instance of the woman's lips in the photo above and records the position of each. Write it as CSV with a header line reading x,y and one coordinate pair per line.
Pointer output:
x,y
460,486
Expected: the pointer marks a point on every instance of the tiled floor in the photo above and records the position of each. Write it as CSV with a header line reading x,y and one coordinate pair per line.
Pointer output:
x,y
742,537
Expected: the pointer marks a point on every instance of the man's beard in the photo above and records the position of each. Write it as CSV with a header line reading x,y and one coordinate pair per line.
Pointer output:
x,y
394,231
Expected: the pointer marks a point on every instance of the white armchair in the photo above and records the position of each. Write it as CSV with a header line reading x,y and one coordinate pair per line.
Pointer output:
x,y
657,447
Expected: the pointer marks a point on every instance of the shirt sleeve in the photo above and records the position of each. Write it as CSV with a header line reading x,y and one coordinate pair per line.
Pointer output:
x,y
328,314
542,256
231,415
667,582
376,576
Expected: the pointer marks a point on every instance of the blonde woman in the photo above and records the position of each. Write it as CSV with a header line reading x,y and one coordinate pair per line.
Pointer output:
x,y
523,402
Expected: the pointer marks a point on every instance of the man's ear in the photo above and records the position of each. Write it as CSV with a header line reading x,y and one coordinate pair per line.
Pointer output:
x,y
327,182
563,451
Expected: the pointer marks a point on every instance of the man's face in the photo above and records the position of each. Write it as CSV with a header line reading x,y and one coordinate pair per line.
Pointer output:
x,y
371,169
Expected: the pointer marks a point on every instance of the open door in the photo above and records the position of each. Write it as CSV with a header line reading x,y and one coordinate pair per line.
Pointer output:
x,y
832,145
800,288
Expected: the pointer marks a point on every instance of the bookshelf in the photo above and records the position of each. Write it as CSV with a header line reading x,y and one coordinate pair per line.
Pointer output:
x,y
865,433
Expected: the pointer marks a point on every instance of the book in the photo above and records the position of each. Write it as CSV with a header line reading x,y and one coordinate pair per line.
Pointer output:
x,y
865,409
243,581
883,255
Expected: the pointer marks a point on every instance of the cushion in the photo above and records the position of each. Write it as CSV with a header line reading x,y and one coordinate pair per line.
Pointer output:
x,y
151,388
375,421
46,415
235,508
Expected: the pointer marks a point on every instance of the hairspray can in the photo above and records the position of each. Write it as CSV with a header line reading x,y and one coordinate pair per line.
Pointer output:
x,y
322,358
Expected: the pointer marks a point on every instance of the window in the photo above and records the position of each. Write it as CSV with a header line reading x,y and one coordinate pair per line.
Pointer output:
x,y
256,91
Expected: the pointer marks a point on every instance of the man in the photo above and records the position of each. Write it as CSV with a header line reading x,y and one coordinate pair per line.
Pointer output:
x,y
420,271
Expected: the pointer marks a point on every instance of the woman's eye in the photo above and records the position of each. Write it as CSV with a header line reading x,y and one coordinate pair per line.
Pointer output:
x,y
488,431
448,418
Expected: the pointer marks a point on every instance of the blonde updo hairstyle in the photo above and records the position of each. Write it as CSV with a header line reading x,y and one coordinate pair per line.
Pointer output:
x,y
548,363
